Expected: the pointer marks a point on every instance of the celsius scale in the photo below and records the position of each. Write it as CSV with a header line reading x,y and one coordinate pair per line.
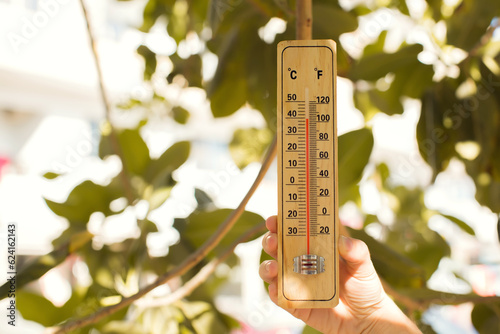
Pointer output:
x,y
307,175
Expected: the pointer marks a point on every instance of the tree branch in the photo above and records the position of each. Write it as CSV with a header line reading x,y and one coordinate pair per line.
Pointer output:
x,y
421,303
454,299
400,298
206,271
186,265
113,136
115,144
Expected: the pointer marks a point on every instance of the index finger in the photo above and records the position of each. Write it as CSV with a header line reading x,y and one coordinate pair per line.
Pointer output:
x,y
272,224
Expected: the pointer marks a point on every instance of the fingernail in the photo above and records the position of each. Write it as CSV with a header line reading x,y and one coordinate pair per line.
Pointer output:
x,y
268,266
268,237
264,240
345,243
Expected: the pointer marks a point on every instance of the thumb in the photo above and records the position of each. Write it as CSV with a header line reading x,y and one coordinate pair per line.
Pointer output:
x,y
356,257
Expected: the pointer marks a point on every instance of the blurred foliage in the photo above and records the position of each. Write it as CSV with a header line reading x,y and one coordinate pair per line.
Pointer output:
x,y
486,318
456,110
249,145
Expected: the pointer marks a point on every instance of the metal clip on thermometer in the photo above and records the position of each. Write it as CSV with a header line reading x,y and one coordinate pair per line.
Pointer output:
x,y
307,174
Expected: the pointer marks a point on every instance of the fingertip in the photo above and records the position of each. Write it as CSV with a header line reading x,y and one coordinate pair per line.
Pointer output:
x,y
264,239
345,245
272,224
268,271
272,268
270,244
273,292
353,251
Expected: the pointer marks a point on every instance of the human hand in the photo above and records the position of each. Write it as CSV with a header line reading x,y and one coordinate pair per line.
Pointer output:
x,y
363,307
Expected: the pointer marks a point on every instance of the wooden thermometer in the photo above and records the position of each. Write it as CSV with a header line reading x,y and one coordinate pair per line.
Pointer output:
x,y
307,174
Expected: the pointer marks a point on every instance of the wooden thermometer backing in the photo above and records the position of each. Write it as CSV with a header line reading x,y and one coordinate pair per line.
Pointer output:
x,y
307,174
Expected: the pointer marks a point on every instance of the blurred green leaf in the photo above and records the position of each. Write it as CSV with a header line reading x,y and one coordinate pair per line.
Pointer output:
x,y
498,229
153,10
182,317
149,59
376,66
344,62
149,226
197,13
261,79
401,5
210,289
113,261
460,223
181,249
397,270
85,199
270,8
361,9
216,11
222,12
486,319
249,145
244,59
388,102
229,96
383,172
178,21
326,13
83,302
159,171
409,234
205,202
246,71
435,140
370,219
201,225
425,328
412,81
420,244
377,47
435,8
479,121
180,115
51,175
202,317
363,102
487,193
30,305
409,78
190,68
470,21
309,330
123,327
354,149
36,308
158,197
134,151
38,266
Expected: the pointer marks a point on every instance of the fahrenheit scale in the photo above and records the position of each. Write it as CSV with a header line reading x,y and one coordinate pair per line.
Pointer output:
x,y
307,175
